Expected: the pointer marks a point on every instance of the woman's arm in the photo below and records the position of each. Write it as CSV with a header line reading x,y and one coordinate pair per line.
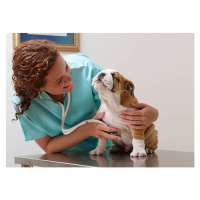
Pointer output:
x,y
64,142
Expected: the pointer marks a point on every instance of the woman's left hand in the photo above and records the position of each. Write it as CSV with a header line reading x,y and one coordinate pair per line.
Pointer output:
x,y
142,118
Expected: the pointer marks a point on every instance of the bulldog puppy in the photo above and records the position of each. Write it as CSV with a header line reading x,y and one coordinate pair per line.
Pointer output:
x,y
116,94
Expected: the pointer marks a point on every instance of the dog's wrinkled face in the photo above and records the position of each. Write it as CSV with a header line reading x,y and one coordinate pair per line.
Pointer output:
x,y
103,80
111,80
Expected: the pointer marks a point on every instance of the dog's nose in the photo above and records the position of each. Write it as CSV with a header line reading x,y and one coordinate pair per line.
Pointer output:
x,y
100,77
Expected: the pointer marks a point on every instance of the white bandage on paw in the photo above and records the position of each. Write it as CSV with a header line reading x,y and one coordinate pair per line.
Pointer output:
x,y
138,148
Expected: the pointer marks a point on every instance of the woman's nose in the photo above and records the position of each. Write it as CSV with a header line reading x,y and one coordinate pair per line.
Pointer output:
x,y
67,78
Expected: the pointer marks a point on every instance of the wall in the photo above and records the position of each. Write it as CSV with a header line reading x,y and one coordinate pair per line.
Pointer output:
x,y
160,65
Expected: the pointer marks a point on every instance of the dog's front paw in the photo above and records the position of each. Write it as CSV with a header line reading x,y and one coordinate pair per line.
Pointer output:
x,y
97,151
138,152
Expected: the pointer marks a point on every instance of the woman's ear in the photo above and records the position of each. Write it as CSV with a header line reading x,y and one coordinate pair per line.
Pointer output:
x,y
128,85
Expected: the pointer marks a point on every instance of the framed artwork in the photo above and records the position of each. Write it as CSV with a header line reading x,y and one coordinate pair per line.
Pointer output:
x,y
64,41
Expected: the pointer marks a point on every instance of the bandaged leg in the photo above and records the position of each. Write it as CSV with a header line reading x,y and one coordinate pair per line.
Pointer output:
x,y
138,143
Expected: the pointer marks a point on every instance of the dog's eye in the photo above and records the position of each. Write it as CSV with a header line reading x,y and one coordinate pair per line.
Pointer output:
x,y
116,78
113,75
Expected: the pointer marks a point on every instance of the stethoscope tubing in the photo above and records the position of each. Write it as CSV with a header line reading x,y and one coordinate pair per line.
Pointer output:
x,y
64,115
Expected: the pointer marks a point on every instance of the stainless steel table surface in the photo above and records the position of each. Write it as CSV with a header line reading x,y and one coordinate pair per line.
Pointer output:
x,y
160,158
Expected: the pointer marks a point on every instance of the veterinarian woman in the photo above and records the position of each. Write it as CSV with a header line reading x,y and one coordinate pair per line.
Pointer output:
x,y
42,78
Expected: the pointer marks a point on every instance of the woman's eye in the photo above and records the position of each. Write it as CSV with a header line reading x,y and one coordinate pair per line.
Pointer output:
x,y
59,81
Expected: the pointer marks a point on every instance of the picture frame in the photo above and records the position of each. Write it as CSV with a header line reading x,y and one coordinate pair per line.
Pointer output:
x,y
64,41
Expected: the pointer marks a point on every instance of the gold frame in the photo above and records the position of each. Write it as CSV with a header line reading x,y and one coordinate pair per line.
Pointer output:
x,y
75,47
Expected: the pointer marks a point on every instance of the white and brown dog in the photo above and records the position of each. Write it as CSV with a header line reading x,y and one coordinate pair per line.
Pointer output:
x,y
117,94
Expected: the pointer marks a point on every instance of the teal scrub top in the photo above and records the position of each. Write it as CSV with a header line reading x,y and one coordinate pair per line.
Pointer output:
x,y
45,117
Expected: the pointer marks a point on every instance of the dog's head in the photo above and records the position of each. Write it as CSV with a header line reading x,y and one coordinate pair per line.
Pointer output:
x,y
112,81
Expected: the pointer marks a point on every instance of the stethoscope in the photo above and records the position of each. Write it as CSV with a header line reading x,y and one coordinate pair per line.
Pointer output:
x,y
64,115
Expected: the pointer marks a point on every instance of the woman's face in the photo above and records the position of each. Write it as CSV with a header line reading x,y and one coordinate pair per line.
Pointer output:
x,y
58,81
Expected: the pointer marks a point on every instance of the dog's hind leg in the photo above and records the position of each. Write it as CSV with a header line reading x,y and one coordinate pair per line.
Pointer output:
x,y
151,139
152,142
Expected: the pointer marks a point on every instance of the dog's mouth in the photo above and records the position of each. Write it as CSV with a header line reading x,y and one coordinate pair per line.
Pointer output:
x,y
98,81
99,85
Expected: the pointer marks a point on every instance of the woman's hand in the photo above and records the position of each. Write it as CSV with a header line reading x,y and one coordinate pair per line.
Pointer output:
x,y
99,131
142,118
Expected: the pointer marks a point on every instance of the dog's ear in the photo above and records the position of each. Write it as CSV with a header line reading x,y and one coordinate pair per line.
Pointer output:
x,y
128,85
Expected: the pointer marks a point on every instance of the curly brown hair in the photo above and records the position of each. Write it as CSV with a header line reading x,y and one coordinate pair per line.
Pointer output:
x,y
32,61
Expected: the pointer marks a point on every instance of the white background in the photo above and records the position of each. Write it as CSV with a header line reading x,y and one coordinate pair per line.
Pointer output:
x,y
171,16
